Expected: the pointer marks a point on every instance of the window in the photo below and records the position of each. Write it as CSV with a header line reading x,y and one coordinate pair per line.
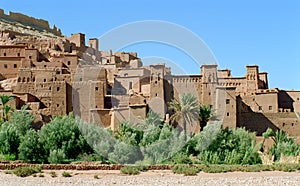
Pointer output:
x,y
292,124
227,101
57,89
45,80
18,54
283,124
270,108
209,93
30,57
69,62
4,54
228,114
156,94
130,85
5,65
57,105
96,88
15,65
260,108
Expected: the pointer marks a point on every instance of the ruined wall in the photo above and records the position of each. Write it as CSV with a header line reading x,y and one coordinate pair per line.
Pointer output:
x,y
31,21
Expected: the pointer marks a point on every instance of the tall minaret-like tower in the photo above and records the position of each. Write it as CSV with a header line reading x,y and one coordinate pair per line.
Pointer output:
x,y
157,96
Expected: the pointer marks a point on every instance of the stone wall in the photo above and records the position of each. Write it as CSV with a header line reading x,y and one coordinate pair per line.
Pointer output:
x,y
30,21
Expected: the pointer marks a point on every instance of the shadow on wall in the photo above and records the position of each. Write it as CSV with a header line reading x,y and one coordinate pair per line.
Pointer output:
x,y
285,101
256,122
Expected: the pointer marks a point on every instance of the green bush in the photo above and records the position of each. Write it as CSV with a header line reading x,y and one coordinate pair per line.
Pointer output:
x,y
26,171
130,170
53,174
185,170
125,154
57,156
66,174
283,144
30,149
63,133
227,146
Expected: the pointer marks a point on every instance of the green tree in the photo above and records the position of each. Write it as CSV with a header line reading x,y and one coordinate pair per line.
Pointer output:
x,y
205,113
186,110
5,108
30,148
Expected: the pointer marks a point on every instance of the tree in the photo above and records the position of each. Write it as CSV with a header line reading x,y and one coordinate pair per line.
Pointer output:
x,y
5,108
186,110
205,113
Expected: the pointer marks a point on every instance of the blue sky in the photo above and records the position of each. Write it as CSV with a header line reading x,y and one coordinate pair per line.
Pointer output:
x,y
266,33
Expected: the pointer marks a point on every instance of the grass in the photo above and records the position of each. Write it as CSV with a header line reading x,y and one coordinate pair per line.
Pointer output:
x,y
53,174
130,170
26,171
186,170
66,174
189,170
41,175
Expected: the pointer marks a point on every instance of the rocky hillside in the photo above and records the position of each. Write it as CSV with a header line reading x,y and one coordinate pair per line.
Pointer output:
x,y
20,24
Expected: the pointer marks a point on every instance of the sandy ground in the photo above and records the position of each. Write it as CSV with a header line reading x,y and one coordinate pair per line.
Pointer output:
x,y
153,178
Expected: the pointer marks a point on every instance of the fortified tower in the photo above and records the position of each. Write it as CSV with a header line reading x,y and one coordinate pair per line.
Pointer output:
x,y
209,84
157,103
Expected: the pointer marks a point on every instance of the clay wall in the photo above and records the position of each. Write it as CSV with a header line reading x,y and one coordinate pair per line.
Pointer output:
x,y
289,101
260,122
101,117
185,84
70,61
226,106
157,101
58,98
32,54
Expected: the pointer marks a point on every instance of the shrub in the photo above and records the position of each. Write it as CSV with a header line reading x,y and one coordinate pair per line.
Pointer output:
x,y
53,174
125,154
9,139
57,156
63,133
30,149
185,170
229,146
130,170
169,143
66,174
96,176
283,144
26,171
100,139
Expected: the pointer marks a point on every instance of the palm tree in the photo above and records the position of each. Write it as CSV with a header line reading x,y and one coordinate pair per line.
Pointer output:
x,y
186,110
205,113
5,108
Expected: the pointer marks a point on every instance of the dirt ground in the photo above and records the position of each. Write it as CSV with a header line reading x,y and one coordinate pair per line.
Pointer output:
x,y
100,177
